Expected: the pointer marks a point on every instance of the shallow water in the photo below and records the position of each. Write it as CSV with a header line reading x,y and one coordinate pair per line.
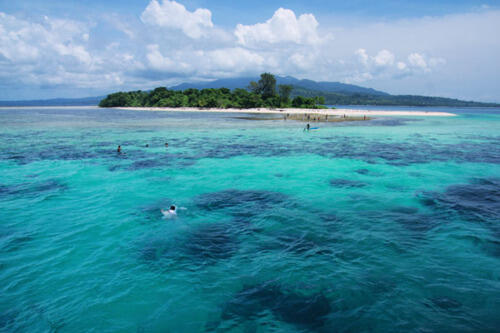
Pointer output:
x,y
380,226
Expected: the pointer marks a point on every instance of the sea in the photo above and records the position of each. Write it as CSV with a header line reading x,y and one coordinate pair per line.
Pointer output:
x,y
386,225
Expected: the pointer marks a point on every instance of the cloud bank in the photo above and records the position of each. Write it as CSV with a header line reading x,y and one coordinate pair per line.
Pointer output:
x,y
169,44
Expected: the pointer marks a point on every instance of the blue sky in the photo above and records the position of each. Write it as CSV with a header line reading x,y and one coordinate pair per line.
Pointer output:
x,y
82,48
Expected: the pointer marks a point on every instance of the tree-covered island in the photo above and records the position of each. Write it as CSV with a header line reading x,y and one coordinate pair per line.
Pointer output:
x,y
258,94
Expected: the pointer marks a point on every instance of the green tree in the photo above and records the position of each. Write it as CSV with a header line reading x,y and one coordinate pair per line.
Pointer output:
x,y
285,90
267,84
265,87
254,87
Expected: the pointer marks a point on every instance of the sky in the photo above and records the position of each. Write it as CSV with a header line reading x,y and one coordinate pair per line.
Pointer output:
x,y
70,48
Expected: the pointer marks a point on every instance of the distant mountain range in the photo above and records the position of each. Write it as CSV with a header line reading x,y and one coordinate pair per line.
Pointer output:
x,y
335,93
87,101
243,82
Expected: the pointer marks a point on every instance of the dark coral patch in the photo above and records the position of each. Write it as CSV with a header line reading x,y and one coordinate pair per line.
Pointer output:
x,y
211,242
478,201
346,183
363,171
230,198
24,189
446,303
296,244
306,312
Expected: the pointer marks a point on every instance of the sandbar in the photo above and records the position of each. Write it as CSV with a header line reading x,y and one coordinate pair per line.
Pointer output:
x,y
283,111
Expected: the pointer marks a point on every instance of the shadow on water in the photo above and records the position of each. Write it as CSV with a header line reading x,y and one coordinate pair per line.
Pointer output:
x,y
305,312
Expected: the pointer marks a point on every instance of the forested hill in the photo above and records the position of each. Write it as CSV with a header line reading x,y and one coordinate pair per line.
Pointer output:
x,y
336,93
242,83
86,101
334,98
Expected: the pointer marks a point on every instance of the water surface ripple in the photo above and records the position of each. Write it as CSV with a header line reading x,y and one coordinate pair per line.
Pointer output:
x,y
388,225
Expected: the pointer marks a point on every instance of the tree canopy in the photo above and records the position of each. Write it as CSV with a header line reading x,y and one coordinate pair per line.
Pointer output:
x,y
259,94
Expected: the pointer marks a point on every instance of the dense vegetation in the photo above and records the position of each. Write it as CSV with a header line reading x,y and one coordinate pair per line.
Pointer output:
x,y
258,94
335,98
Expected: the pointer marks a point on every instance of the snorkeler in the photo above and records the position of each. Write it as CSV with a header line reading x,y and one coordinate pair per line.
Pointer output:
x,y
171,213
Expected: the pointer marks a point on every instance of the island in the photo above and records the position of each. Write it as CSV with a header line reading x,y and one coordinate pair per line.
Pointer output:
x,y
263,96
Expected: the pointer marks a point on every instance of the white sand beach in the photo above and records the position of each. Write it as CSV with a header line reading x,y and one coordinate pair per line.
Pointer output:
x,y
333,112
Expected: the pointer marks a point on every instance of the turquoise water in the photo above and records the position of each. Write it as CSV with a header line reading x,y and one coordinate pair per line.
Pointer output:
x,y
383,226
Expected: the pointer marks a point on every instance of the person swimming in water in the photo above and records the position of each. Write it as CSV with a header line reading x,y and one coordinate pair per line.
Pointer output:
x,y
308,127
171,213
119,149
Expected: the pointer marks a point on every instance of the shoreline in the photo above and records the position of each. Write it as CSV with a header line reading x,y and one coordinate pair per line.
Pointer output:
x,y
312,112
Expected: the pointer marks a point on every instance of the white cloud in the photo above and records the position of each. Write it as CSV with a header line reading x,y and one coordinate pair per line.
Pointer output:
x,y
384,65
235,59
363,56
384,58
401,65
224,61
417,60
51,52
281,28
163,63
170,14
157,60
23,41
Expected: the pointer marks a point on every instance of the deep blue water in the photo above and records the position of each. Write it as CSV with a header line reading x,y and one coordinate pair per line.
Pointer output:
x,y
387,225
